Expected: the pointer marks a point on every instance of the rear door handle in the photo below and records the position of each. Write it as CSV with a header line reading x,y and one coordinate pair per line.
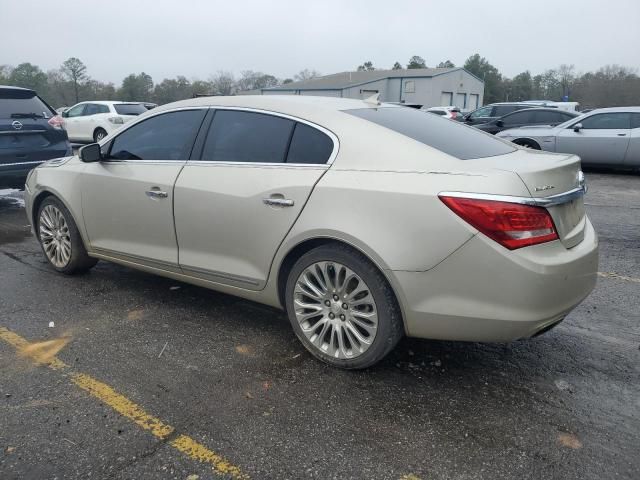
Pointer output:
x,y
622,134
278,202
156,194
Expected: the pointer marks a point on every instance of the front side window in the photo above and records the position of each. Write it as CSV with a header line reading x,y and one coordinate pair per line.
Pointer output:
x,y
452,138
239,136
76,111
168,136
607,121
309,145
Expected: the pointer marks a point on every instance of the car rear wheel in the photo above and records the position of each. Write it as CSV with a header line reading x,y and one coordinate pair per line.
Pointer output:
x,y
60,239
99,134
342,308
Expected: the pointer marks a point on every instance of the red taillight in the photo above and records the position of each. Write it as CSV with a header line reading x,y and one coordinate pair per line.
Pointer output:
x,y
56,122
453,114
512,225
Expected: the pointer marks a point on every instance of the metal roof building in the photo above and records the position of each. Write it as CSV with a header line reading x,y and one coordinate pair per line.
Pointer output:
x,y
425,86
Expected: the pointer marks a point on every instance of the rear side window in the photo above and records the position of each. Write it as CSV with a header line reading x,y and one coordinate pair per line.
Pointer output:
x,y
607,121
635,120
168,136
95,108
238,136
22,104
309,145
546,117
449,137
518,118
129,108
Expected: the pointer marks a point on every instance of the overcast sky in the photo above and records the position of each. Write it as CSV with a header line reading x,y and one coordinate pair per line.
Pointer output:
x,y
194,38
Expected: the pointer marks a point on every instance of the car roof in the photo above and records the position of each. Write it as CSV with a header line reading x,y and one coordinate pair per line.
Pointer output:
x,y
109,102
543,109
11,87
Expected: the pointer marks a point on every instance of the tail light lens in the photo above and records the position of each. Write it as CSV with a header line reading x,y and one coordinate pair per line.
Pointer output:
x,y
116,120
56,122
454,114
512,225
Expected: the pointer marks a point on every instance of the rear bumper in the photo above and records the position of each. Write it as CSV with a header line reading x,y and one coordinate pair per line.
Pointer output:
x,y
15,168
486,293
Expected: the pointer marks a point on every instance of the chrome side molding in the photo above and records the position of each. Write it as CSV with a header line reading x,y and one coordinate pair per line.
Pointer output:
x,y
549,201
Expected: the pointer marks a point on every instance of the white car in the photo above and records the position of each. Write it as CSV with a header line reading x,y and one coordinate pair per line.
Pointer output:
x,y
452,112
92,121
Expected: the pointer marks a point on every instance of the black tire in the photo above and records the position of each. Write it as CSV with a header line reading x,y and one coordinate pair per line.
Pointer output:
x,y
390,327
524,142
79,261
99,134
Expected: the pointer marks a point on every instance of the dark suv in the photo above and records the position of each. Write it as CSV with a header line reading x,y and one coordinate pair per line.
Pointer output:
x,y
491,112
527,117
30,133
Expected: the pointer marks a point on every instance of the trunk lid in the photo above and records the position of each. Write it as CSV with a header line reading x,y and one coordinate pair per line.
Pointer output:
x,y
547,175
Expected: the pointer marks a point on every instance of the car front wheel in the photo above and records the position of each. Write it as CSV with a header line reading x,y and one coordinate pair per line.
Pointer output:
x,y
60,239
342,308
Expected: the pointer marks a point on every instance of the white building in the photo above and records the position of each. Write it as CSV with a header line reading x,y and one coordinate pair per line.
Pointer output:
x,y
429,87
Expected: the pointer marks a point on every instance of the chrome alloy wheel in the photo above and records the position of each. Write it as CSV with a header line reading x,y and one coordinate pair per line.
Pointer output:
x,y
55,236
335,310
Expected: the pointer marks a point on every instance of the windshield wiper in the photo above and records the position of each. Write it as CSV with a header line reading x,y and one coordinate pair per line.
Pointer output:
x,y
26,115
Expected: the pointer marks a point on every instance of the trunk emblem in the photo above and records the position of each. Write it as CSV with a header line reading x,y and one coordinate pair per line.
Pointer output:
x,y
544,187
17,125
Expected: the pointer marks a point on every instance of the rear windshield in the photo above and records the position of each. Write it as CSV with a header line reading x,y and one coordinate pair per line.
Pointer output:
x,y
129,108
448,136
18,104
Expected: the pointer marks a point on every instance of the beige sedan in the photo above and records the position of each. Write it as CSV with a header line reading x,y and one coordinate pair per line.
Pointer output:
x,y
364,221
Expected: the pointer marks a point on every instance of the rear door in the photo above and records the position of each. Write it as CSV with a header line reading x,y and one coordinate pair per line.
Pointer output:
x,y
602,140
127,199
632,158
73,120
235,204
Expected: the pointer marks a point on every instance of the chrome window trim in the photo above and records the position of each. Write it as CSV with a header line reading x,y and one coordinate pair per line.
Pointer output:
x,y
329,133
21,132
550,201
21,163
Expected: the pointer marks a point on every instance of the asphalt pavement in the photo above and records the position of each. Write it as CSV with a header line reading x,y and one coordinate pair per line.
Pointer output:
x,y
121,374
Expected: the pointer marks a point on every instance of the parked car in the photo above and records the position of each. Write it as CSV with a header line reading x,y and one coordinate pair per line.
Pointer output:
x,y
92,121
527,117
491,112
602,137
567,106
433,230
450,112
149,105
30,133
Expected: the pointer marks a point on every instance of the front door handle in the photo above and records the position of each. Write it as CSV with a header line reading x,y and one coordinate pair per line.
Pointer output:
x,y
622,134
156,194
278,202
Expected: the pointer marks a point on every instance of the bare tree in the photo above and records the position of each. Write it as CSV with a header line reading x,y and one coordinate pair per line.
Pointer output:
x,y
223,83
366,66
76,72
306,74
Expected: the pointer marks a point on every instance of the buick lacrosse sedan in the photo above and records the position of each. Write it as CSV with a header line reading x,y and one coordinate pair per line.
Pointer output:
x,y
364,221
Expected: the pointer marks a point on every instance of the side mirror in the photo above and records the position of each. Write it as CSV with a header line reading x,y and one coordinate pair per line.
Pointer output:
x,y
577,127
90,153
64,114
499,123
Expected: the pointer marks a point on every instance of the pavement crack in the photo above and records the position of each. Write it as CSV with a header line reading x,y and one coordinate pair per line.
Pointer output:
x,y
146,454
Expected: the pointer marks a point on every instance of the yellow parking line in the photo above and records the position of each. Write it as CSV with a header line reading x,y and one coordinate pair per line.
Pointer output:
x,y
43,353
619,277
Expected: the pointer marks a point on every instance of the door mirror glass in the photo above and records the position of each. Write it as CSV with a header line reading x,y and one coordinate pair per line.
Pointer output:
x,y
577,127
90,153
64,114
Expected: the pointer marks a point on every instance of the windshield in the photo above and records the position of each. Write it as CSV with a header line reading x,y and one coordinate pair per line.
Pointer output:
x,y
23,105
129,108
452,138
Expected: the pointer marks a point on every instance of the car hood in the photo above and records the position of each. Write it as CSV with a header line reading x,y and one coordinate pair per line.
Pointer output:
x,y
532,131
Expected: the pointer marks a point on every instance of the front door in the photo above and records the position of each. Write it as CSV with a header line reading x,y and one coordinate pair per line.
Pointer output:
x,y
127,199
235,205
602,140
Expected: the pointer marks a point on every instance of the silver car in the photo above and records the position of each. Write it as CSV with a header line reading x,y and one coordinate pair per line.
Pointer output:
x,y
364,221
602,137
